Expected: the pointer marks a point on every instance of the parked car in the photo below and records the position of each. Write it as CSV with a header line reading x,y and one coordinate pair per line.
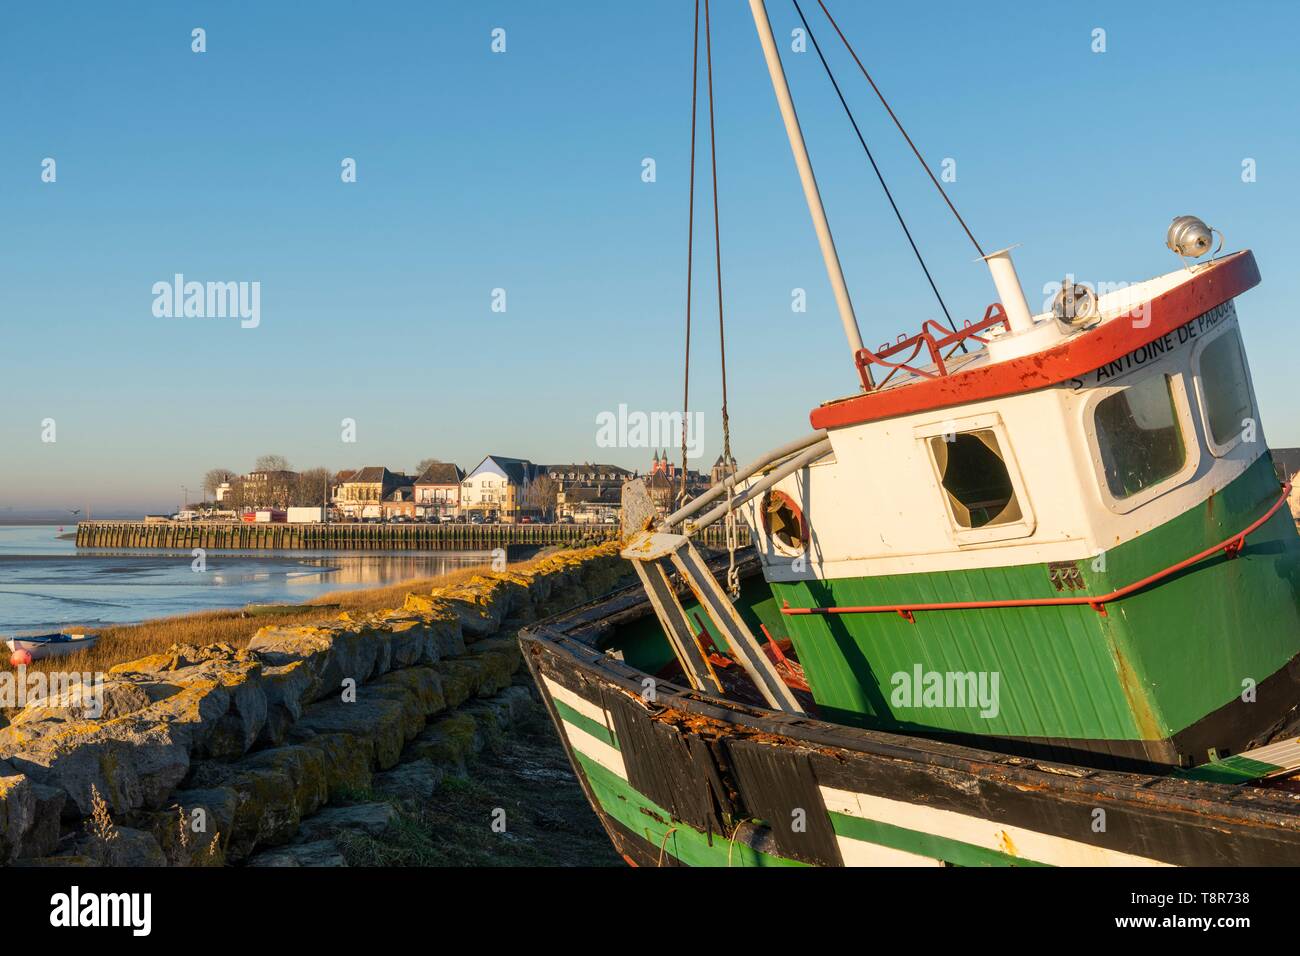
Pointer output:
x,y
566,519
610,519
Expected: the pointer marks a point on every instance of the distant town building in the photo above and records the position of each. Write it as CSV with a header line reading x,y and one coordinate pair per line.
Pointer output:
x,y
499,486
664,483
721,470
587,492
400,503
268,489
364,492
225,491
437,490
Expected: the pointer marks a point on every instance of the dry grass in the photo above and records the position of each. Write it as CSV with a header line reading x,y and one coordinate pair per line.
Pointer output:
x,y
128,642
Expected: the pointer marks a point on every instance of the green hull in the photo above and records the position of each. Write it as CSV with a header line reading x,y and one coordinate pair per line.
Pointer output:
x,y
1157,663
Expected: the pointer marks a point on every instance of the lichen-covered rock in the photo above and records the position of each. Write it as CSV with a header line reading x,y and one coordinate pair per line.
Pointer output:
x,y
375,719
423,683
410,641
132,761
460,679
490,721
274,789
17,812
115,696
343,650
237,729
440,623
195,830
479,605
347,762
288,688
448,740
501,658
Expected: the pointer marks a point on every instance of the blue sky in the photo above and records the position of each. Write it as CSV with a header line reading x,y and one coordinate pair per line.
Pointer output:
x,y
522,171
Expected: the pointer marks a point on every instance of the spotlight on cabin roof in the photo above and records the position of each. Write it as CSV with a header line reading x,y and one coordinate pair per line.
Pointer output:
x,y
1075,306
1189,236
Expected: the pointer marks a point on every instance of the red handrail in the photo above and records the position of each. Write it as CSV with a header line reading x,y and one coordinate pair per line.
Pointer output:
x,y
1232,547
864,358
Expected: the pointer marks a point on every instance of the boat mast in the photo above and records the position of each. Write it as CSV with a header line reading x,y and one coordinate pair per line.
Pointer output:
x,y
804,164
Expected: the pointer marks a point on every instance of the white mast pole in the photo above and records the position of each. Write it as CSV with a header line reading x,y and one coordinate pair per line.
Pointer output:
x,y
804,164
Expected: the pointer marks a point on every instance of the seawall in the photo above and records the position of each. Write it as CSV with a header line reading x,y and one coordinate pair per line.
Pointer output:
x,y
255,744
213,535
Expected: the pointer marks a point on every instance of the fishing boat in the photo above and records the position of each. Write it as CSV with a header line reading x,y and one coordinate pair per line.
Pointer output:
x,y
1037,575
34,647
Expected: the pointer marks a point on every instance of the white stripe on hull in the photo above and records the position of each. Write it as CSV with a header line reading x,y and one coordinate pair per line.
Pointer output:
x,y
580,704
862,853
594,749
975,831
581,741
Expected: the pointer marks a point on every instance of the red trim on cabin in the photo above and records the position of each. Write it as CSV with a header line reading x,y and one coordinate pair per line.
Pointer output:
x,y
1231,549
1223,280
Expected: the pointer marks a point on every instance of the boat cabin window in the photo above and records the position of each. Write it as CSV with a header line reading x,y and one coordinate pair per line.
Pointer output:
x,y
1138,436
1224,388
975,477
783,521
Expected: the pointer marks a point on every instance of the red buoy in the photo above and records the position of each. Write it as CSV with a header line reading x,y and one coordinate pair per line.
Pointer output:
x,y
20,658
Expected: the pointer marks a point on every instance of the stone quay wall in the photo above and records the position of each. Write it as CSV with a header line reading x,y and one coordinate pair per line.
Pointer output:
x,y
253,743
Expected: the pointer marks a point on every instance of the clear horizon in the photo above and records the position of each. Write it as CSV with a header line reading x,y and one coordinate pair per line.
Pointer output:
x,y
522,171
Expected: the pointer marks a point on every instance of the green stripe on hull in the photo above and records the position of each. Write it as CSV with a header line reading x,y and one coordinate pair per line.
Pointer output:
x,y
922,844
1159,661
650,821
583,722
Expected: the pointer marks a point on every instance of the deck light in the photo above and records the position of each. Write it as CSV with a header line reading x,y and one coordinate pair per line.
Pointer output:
x,y
1190,237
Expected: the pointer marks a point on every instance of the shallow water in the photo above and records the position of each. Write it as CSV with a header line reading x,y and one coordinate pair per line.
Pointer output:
x,y
47,583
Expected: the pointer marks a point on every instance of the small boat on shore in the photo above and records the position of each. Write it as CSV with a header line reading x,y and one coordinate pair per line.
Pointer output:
x,y
59,644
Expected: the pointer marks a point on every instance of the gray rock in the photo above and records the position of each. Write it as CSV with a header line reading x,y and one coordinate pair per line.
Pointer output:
x,y
17,812
125,847
42,836
415,780
372,818
319,853
379,721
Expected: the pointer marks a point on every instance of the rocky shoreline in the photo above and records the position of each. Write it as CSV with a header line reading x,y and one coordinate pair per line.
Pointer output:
x,y
214,756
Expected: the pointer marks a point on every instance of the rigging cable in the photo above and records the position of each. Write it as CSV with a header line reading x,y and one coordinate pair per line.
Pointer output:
x,y
690,251
733,575
892,116
880,176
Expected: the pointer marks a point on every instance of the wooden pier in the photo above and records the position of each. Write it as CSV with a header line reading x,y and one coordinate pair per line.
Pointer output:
x,y
240,536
